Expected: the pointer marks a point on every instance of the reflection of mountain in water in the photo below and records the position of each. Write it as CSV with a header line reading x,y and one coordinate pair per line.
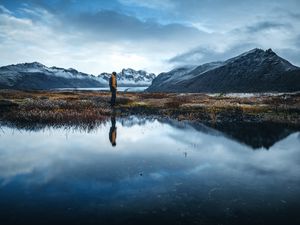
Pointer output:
x,y
188,124
253,134
257,135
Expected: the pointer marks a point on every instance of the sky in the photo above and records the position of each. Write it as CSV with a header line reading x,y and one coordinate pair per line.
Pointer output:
x,y
95,36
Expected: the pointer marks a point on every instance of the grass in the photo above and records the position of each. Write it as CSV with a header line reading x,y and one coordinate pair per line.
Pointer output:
x,y
88,107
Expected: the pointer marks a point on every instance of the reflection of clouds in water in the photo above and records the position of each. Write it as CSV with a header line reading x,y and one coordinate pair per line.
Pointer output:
x,y
153,148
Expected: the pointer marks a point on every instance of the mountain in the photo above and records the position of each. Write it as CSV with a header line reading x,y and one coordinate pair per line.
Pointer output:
x,y
130,77
37,76
253,71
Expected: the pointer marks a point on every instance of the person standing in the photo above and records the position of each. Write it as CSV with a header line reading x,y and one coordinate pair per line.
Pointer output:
x,y
113,88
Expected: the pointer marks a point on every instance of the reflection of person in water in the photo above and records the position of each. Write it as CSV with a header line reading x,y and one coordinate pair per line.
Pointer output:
x,y
113,131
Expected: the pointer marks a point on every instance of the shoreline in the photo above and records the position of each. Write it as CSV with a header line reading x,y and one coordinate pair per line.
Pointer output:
x,y
75,107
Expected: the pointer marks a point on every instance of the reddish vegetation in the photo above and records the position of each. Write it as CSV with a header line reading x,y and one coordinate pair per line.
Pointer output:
x,y
72,107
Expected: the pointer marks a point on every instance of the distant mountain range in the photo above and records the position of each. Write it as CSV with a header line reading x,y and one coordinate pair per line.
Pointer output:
x,y
38,76
130,77
253,71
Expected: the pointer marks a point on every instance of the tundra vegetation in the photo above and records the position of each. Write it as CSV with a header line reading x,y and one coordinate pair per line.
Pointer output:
x,y
89,108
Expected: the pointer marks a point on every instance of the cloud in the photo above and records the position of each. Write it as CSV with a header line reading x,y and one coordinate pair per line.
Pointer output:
x,y
91,42
291,54
154,4
202,54
41,36
267,25
4,10
98,36
110,25
280,35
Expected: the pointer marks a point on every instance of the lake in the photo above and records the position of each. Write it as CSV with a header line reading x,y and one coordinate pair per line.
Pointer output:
x,y
122,89
150,171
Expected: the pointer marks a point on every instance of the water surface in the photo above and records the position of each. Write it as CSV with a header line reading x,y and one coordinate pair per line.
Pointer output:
x,y
158,172
121,89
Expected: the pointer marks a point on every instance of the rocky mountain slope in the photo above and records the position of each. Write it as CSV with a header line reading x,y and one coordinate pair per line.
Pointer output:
x,y
38,76
130,77
253,71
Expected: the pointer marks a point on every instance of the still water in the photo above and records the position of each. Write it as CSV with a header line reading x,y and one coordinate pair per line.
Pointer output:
x,y
148,171
121,89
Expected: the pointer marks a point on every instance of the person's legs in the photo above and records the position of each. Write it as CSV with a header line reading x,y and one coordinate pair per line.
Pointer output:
x,y
113,97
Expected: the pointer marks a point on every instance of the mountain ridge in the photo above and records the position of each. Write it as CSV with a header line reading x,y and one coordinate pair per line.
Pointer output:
x,y
35,75
253,71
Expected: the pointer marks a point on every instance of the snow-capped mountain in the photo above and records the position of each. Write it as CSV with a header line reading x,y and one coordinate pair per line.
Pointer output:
x,y
38,76
130,77
253,71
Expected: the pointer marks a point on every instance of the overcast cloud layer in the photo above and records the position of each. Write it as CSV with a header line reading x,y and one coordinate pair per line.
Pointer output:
x,y
155,35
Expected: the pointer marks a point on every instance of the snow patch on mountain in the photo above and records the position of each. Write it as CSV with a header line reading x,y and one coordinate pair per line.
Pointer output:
x,y
129,77
12,75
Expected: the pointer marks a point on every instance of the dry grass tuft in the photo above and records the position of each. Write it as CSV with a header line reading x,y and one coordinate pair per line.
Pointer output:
x,y
54,107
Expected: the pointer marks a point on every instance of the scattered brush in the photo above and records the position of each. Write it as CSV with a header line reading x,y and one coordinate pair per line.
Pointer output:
x,y
88,107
